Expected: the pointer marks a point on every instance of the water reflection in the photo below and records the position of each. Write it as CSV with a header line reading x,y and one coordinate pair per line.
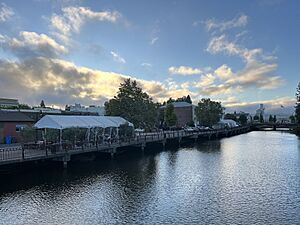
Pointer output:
x,y
247,179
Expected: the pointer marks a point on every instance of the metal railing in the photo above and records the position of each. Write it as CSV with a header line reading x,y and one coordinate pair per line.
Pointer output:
x,y
28,151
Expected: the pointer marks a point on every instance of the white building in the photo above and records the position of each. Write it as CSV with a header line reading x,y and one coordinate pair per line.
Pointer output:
x,y
100,110
260,110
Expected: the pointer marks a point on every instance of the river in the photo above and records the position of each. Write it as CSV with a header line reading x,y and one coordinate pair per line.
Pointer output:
x,y
252,178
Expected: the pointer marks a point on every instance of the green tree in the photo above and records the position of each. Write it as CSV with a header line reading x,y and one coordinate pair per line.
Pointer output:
x,y
170,116
133,104
292,119
271,120
297,107
208,112
125,131
28,134
43,104
274,119
261,118
230,116
243,119
256,117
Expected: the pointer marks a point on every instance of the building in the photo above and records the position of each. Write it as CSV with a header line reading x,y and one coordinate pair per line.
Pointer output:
x,y
11,124
184,111
8,102
78,108
260,111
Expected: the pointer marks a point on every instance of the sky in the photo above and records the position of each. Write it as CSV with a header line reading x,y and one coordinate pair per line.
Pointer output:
x,y
241,53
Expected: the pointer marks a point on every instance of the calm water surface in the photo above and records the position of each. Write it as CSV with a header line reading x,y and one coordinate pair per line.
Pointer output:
x,y
252,178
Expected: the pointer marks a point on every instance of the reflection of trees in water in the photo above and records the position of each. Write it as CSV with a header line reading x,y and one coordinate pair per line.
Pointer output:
x,y
209,146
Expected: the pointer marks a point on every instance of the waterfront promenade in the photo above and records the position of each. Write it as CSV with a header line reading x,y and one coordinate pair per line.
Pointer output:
x,y
21,154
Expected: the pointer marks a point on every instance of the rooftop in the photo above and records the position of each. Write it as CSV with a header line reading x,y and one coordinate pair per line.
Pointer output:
x,y
179,105
6,116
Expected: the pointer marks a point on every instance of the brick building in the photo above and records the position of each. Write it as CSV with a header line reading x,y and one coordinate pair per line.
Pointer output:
x,y
11,124
184,112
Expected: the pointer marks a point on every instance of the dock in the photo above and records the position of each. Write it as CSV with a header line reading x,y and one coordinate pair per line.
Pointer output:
x,y
17,154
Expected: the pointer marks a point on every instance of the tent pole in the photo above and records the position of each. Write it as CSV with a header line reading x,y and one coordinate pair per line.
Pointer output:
x,y
88,137
60,139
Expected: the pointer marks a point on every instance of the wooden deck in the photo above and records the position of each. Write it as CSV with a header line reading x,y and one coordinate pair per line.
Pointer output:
x,y
17,154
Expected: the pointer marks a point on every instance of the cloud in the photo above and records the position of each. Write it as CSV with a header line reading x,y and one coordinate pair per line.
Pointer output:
x,y
61,82
220,44
224,72
74,17
5,13
147,65
273,106
258,70
238,21
154,40
117,57
184,70
30,44
205,81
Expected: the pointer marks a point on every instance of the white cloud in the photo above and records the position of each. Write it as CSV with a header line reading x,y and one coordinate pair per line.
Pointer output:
x,y
117,57
148,65
239,21
222,45
74,17
184,70
5,12
205,81
224,72
62,82
154,40
30,44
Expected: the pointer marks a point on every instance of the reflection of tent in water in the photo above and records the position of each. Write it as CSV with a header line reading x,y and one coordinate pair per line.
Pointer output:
x,y
93,123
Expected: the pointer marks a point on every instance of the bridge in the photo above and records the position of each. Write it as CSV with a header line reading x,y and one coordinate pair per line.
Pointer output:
x,y
273,126
38,152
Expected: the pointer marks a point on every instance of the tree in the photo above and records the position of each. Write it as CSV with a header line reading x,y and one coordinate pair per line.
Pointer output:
x,y
274,119
208,112
133,104
261,118
243,119
170,116
271,120
292,119
230,116
43,104
256,117
297,107
28,134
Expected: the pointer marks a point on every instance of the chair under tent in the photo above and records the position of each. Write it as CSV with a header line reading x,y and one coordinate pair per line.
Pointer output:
x,y
92,124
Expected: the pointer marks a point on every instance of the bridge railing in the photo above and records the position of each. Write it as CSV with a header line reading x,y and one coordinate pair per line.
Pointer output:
x,y
34,150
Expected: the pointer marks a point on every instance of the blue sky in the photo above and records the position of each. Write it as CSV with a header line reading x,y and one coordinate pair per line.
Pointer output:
x,y
241,53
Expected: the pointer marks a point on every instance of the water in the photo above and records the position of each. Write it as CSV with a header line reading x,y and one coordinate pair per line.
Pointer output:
x,y
252,178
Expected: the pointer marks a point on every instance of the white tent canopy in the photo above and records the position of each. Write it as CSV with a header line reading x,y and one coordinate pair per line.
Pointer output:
x,y
62,122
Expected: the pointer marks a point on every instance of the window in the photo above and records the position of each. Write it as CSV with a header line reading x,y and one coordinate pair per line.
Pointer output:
x,y
20,127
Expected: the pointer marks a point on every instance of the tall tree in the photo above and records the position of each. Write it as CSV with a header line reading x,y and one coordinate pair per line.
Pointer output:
x,y
274,119
271,120
208,112
133,104
243,119
261,118
43,104
297,107
170,116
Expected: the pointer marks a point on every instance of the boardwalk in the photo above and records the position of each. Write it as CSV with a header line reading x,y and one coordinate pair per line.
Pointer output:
x,y
17,154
